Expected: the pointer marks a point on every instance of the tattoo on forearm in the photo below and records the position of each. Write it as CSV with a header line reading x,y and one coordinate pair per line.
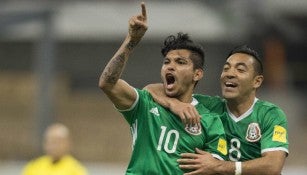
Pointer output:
x,y
130,46
114,69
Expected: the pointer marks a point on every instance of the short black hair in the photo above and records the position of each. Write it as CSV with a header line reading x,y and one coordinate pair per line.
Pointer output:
x,y
249,51
183,41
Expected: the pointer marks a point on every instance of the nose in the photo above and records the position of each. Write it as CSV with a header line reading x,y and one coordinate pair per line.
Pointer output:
x,y
170,66
230,73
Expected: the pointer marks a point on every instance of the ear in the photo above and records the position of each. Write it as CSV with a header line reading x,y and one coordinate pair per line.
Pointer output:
x,y
198,74
258,81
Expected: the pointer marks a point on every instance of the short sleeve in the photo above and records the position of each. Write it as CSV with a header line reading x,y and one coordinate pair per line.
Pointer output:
x,y
275,132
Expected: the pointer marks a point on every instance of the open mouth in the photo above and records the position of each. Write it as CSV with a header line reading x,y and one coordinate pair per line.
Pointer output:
x,y
230,84
170,80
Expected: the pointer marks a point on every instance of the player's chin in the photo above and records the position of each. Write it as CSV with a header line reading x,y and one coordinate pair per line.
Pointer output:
x,y
171,93
229,95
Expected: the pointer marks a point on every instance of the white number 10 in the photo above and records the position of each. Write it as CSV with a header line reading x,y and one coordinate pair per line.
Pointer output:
x,y
170,134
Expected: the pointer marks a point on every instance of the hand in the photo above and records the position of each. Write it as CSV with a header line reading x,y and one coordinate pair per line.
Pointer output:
x,y
187,112
138,24
201,163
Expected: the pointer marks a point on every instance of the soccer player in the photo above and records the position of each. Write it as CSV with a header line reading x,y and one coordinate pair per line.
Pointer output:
x,y
159,137
256,130
57,160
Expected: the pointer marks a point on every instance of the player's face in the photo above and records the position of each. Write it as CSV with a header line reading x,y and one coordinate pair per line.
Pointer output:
x,y
178,75
238,79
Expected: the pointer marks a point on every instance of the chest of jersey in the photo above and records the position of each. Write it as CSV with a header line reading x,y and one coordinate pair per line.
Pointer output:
x,y
243,138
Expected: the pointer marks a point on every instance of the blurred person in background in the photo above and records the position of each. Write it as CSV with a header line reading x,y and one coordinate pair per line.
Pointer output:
x,y
159,137
256,130
57,160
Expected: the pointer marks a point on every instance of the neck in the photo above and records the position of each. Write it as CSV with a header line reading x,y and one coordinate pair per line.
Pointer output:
x,y
239,107
186,97
56,159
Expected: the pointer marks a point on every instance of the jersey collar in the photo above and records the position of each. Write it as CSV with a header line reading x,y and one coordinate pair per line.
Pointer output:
x,y
194,101
243,116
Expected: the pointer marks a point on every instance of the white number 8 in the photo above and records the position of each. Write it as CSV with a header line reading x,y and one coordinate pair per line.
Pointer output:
x,y
235,145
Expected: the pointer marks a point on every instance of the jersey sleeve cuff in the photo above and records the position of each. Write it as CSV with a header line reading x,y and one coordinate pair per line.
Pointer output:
x,y
217,156
133,105
275,149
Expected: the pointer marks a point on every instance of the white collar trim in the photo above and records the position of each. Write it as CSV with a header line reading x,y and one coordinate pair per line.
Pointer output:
x,y
194,101
247,113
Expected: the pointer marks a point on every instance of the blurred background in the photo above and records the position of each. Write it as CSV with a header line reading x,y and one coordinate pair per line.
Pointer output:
x,y
52,54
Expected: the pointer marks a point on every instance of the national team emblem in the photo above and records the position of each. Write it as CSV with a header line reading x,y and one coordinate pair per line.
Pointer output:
x,y
253,132
193,129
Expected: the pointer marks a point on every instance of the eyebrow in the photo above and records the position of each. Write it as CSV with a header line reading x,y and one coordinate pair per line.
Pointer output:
x,y
226,63
237,64
178,57
241,64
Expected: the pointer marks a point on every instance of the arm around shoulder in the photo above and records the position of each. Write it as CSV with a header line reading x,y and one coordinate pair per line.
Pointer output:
x,y
186,111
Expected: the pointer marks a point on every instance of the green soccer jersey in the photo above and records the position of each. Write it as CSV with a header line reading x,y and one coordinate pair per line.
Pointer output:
x,y
159,137
261,129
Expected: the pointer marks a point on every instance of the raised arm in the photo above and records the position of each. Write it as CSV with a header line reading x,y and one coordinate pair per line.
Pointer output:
x,y
187,112
121,93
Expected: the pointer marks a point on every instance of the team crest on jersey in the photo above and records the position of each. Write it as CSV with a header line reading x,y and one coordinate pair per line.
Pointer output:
x,y
253,132
193,129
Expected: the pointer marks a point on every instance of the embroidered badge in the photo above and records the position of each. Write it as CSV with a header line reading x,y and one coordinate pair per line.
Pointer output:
x,y
193,129
280,134
253,133
222,146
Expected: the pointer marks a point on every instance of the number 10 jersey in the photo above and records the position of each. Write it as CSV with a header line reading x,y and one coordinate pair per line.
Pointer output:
x,y
159,136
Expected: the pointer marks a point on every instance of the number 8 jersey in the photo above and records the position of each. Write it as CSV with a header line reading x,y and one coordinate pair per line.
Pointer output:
x,y
261,129
159,137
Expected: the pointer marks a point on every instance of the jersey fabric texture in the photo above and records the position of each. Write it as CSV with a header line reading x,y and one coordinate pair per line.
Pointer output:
x,y
44,166
159,137
261,129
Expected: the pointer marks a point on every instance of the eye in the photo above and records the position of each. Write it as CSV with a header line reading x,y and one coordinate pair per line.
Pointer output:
x,y
241,69
181,61
225,68
166,61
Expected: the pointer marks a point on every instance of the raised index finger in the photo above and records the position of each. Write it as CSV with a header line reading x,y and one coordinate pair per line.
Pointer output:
x,y
144,10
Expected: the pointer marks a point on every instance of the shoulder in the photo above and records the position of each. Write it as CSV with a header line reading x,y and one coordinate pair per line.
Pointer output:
x,y
69,159
209,100
207,97
269,113
44,158
213,103
268,107
74,164
144,94
37,162
211,119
